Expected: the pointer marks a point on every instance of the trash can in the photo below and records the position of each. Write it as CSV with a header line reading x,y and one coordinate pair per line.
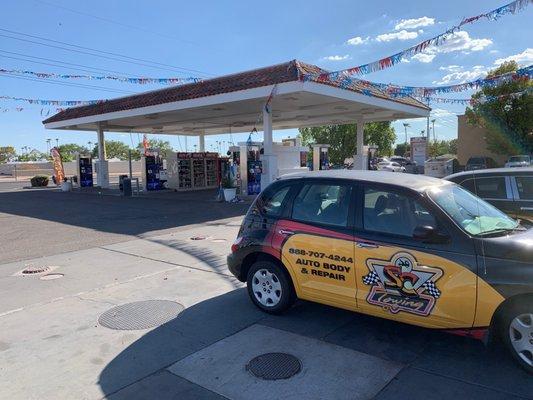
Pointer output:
x,y
126,187
120,181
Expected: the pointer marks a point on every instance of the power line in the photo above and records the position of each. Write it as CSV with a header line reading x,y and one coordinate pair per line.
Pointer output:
x,y
66,66
53,82
108,20
96,50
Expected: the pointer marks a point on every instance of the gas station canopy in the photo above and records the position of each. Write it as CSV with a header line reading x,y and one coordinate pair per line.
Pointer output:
x,y
232,103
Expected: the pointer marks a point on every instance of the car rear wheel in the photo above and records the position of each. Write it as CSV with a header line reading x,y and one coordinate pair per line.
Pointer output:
x,y
517,334
270,287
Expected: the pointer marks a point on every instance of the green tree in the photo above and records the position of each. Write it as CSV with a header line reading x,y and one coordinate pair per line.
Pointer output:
x,y
33,155
508,119
452,146
114,149
68,151
342,138
7,153
401,149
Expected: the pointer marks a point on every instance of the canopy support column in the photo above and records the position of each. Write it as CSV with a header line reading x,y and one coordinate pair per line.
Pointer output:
x,y
269,159
360,159
201,143
102,170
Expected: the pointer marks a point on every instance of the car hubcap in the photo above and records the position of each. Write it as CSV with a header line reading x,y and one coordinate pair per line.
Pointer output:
x,y
266,288
521,335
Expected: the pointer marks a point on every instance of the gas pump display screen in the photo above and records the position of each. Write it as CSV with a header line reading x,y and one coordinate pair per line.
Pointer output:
x,y
86,172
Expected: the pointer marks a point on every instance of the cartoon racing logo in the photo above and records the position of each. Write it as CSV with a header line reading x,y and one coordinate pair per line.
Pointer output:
x,y
400,284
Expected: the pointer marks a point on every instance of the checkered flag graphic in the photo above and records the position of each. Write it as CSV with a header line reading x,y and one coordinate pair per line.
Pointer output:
x,y
371,279
431,289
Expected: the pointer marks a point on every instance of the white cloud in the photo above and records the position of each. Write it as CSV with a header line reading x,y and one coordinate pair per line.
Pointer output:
x,y
336,58
524,58
451,68
401,35
440,113
459,75
461,41
355,41
424,57
414,23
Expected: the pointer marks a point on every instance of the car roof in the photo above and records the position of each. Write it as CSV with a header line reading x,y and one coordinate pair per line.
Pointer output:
x,y
416,182
496,171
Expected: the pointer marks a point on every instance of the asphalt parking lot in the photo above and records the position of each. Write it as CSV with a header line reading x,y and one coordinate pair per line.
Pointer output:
x,y
102,252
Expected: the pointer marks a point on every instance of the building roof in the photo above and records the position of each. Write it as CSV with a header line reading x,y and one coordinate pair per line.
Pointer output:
x,y
287,72
416,182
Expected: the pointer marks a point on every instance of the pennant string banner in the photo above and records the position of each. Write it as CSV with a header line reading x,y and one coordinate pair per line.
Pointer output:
x,y
373,88
141,81
481,100
387,62
68,103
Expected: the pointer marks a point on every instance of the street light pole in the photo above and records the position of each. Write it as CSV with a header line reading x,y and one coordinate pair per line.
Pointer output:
x,y
405,125
434,134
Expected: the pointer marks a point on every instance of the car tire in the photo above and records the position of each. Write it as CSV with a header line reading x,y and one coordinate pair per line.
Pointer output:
x,y
270,287
516,332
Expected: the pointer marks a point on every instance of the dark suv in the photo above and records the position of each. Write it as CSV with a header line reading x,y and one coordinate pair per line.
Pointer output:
x,y
509,189
475,163
411,248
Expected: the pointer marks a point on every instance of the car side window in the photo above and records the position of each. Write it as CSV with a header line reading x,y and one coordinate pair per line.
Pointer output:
x,y
394,213
468,184
525,187
323,204
491,188
270,203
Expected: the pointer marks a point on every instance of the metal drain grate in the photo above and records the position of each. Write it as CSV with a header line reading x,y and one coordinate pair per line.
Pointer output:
x,y
30,270
140,314
274,366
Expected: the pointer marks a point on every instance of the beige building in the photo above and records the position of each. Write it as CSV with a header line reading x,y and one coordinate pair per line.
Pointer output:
x,y
471,143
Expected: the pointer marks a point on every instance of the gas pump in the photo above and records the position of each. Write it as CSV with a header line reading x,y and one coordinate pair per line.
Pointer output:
x,y
250,167
320,156
84,167
151,168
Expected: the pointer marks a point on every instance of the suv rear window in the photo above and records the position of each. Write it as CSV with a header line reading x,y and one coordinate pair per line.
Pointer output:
x,y
323,204
270,203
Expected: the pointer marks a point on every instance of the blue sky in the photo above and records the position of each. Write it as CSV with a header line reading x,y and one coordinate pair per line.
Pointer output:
x,y
219,37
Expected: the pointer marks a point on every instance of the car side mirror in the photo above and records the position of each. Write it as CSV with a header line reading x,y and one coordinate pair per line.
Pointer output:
x,y
429,234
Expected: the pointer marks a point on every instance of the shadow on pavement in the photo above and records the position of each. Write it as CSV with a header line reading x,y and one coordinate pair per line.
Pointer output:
x,y
449,365
130,216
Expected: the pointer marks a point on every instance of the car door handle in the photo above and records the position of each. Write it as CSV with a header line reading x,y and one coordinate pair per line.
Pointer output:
x,y
526,208
364,245
285,232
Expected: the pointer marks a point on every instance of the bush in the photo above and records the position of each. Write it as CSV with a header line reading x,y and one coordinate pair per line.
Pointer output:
x,y
39,181
227,183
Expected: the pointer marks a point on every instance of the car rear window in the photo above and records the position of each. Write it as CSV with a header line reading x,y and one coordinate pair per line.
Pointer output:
x,y
326,204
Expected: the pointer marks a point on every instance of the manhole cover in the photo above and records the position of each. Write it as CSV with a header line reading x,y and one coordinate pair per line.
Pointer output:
x,y
140,314
218,240
274,366
49,277
30,270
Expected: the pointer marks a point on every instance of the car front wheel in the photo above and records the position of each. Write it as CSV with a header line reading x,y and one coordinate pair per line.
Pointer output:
x,y
517,334
270,287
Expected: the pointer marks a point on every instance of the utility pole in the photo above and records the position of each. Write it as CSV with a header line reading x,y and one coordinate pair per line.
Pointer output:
x,y
434,134
405,125
57,142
